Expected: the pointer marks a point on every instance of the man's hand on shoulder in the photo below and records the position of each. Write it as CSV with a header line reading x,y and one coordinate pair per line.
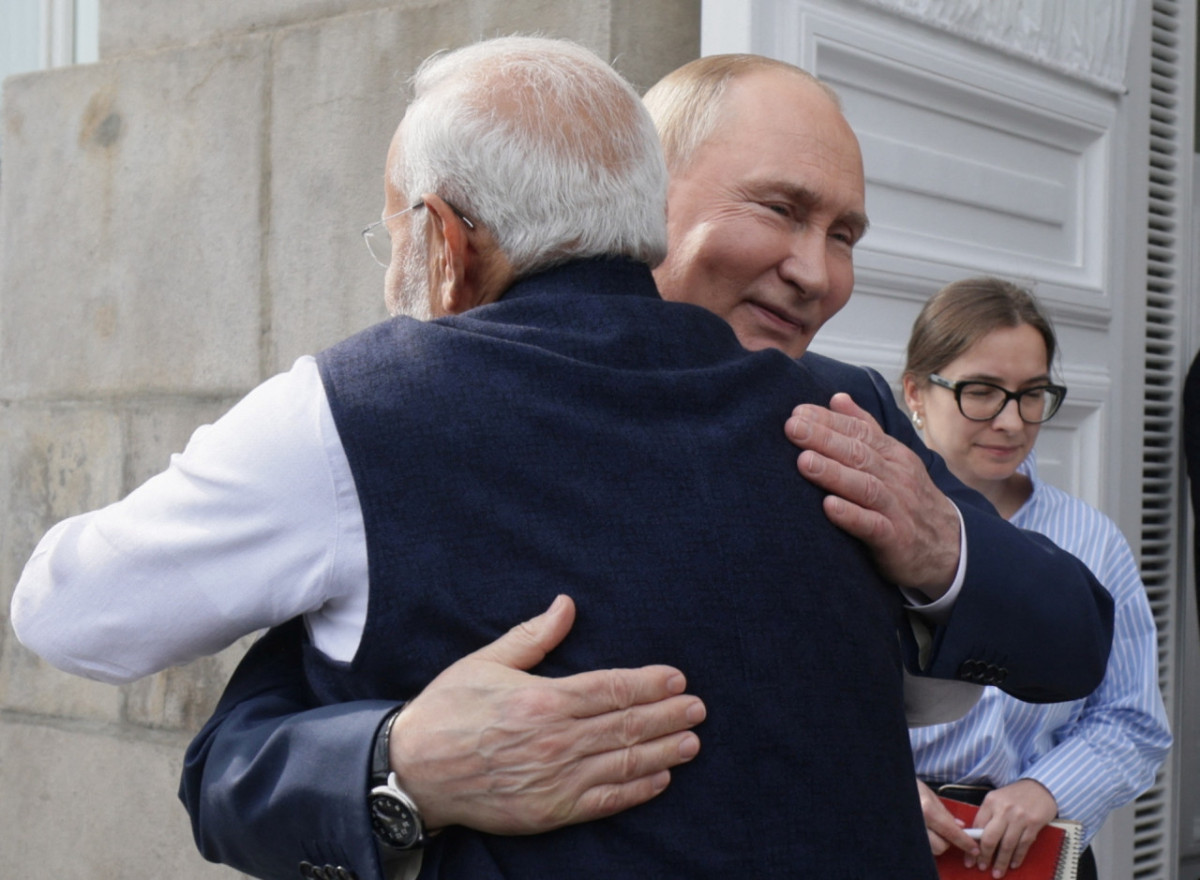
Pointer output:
x,y
880,492
490,746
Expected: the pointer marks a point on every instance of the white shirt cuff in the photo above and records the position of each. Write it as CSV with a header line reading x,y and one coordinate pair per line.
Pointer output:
x,y
939,609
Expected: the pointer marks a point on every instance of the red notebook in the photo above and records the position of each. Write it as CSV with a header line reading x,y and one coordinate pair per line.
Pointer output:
x,y
1053,856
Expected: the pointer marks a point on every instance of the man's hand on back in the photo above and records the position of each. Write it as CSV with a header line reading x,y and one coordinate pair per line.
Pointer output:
x,y
490,746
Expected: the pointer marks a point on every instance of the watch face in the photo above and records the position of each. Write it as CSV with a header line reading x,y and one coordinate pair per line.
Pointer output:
x,y
393,821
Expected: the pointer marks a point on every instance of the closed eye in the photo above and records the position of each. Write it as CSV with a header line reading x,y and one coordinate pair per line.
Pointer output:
x,y
980,392
848,234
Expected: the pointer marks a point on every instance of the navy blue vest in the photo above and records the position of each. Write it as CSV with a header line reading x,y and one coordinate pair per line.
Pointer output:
x,y
583,436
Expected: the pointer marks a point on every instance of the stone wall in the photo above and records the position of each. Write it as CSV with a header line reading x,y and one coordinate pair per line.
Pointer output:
x,y
177,223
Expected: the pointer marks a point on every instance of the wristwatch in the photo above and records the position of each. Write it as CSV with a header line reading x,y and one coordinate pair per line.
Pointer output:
x,y
395,818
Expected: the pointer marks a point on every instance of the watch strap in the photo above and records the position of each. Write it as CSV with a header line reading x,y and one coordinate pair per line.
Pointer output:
x,y
381,759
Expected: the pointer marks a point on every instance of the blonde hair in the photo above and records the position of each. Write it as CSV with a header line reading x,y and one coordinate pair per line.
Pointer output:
x,y
687,103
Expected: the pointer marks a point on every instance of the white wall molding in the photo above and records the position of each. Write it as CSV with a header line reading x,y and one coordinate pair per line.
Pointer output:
x,y
58,33
1084,39
970,162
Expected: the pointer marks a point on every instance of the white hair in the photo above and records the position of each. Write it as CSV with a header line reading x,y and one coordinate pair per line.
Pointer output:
x,y
543,144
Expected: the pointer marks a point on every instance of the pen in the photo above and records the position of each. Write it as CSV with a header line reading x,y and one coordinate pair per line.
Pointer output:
x,y
973,833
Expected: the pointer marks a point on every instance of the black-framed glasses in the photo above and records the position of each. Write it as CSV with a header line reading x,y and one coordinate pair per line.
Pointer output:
x,y
983,401
379,239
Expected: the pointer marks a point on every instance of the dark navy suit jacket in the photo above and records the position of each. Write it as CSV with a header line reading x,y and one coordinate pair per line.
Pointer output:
x,y
278,776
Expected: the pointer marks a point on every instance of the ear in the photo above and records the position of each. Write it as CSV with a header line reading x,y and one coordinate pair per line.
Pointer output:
x,y
449,257
466,269
912,394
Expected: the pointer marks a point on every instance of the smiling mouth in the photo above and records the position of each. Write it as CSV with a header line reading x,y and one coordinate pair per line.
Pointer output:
x,y
777,317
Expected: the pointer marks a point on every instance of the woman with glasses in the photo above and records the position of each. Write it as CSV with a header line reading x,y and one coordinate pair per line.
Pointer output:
x,y
978,384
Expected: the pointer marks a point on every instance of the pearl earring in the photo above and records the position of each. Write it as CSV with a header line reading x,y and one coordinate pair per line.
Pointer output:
x,y
918,422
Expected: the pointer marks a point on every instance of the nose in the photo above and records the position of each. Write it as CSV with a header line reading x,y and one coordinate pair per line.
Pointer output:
x,y
1009,417
806,265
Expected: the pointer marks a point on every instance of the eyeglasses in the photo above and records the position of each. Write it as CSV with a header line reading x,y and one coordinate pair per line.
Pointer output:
x,y
379,239
983,401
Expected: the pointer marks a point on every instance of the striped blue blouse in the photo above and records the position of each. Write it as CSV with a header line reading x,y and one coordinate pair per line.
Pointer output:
x,y
1093,755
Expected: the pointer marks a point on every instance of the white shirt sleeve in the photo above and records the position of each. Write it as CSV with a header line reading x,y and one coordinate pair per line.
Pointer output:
x,y
939,609
256,522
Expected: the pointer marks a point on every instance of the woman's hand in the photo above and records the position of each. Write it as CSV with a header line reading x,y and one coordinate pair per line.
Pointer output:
x,y
943,828
1011,818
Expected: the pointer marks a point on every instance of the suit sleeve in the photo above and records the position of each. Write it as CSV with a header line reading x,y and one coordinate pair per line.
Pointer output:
x,y
1031,619
271,783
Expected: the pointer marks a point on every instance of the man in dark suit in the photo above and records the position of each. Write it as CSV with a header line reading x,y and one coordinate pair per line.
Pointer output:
x,y
655,496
